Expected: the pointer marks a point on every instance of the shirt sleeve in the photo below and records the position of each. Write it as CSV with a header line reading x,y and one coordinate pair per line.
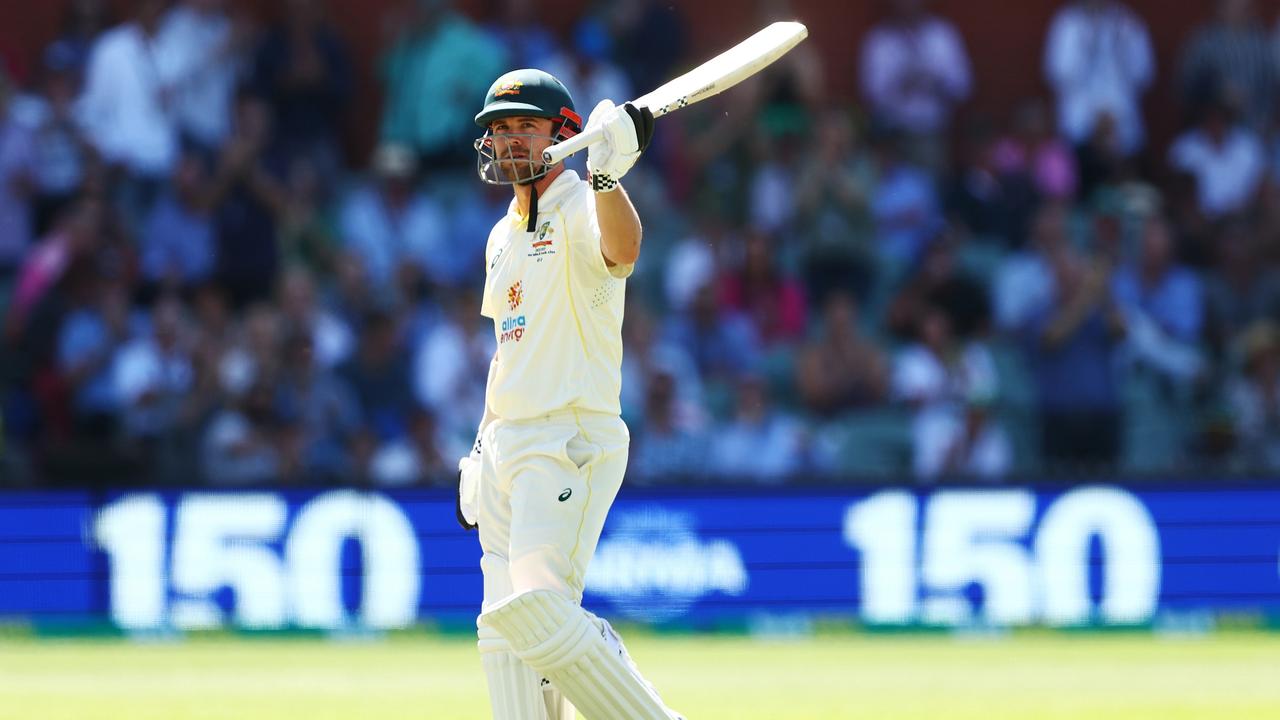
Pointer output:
x,y
593,247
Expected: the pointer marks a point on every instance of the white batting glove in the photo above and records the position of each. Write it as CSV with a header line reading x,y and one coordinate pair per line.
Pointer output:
x,y
627,132
468,487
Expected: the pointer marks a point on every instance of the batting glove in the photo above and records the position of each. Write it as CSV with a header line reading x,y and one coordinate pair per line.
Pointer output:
x,y
627,132
468,486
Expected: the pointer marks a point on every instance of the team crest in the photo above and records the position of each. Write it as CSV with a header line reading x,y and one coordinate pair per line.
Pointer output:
x,y
544,244
515,295
509,88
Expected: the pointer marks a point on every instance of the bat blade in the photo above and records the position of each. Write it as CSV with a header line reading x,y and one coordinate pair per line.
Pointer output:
x,y
708,79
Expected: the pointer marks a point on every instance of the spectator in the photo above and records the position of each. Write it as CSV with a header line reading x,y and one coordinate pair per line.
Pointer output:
x,y
126,105
952,385
303,67
1163,307
418,458
760,290
1227,161
450,368
255,357
74,240
696,258
82,24
240,446
761,443
60,149
648,353
914,70
939,282
306,226
722,343
390,224
1241,289
379,375
206,49
987,200
213,340
332,340
470,218
1023,286
439,62
177,236
1071,336
664,447
1231,59
88,344
1254,398
839,368
771,182
904,204
1104,164
1034,151
247,195
17,183
1098,59
324,408
352,296
834,184
153,374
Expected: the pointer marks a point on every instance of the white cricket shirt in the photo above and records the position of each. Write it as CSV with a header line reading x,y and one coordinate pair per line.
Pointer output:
x,y
556,308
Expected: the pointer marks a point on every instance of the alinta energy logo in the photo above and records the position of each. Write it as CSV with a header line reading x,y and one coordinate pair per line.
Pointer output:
x,y
653,566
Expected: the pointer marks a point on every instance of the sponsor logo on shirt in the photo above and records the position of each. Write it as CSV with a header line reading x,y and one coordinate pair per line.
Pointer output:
x,y
512,329
515,295
545,244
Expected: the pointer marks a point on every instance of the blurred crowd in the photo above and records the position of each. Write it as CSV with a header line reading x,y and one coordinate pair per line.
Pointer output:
x,y
200,286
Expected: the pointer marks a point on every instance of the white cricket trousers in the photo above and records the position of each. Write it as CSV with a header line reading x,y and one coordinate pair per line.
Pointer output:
x,y
546,487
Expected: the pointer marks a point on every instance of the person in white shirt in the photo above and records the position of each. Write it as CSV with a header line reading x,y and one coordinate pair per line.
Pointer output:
x,y
204,49
914,69
1226,159
127,101
1098,59
552,447
951,384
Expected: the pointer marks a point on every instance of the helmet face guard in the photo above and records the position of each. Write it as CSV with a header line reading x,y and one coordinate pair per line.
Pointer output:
x,y
501,166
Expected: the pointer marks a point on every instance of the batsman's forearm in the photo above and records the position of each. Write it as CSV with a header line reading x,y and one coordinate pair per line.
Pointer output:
x,y
620,230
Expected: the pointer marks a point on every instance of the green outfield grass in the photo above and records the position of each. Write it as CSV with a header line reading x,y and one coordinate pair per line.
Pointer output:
x,y
726,678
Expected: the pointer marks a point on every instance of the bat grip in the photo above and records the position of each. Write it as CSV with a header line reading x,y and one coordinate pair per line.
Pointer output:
x,y
577,143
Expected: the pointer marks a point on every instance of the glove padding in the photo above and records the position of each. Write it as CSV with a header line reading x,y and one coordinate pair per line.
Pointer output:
x,y
468,487
627,132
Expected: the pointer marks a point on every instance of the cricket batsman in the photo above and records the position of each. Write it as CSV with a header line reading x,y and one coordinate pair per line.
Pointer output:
x,y
552,447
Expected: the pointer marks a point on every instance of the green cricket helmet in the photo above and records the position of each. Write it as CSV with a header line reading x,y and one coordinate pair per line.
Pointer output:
x,y
523,93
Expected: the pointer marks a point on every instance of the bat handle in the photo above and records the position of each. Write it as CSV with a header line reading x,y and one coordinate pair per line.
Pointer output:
x,y
577,143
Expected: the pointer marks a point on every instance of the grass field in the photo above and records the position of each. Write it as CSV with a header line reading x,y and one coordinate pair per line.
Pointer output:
x,y
707,678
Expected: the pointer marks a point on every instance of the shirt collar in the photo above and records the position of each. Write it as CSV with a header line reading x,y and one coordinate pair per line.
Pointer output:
x,y
552,196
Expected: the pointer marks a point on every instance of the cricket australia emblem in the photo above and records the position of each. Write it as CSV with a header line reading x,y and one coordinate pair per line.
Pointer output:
x,y
544,244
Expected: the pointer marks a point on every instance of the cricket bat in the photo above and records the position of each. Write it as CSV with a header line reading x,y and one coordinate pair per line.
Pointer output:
x,y
710,78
